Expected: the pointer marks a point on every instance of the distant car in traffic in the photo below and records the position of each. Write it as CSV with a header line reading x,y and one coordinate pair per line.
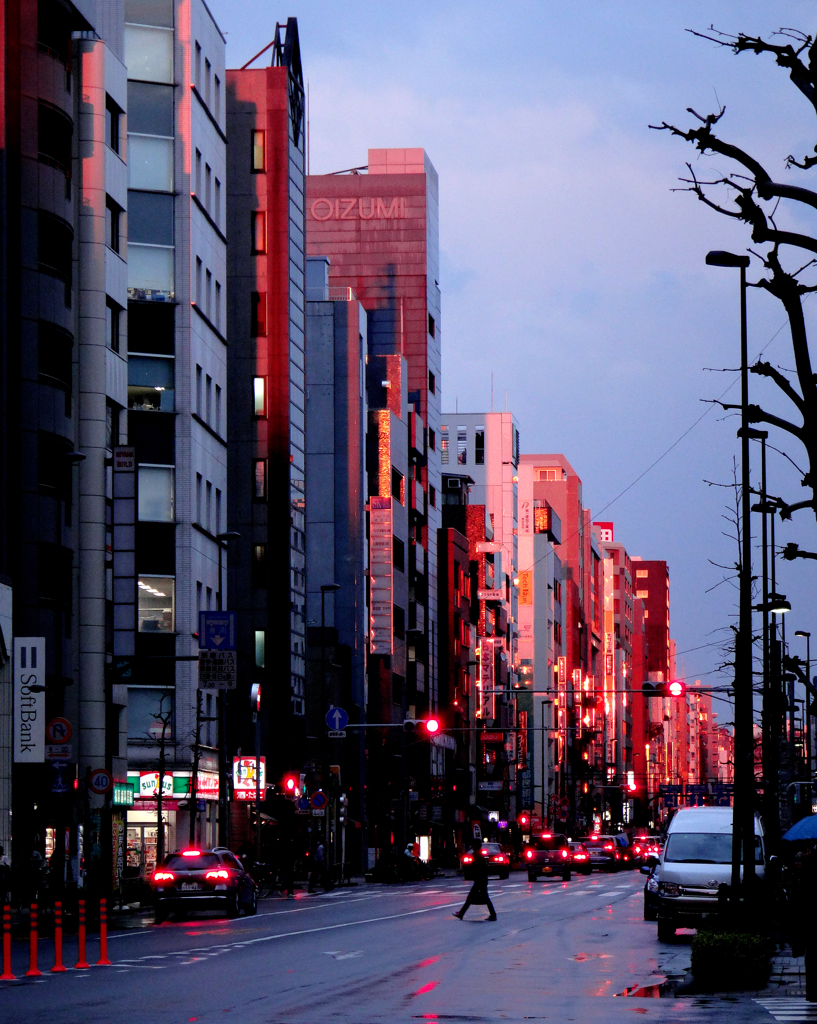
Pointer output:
x,y
202,879
646,846
497,861
650,893
548,854
605,852
580,858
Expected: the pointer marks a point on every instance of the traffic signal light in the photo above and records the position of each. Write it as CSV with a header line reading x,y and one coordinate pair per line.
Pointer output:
x,y
291,785
343,807
524,822
429,725
675,688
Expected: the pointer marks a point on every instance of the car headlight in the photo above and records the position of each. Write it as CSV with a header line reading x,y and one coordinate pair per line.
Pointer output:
x,y
652,884
669,889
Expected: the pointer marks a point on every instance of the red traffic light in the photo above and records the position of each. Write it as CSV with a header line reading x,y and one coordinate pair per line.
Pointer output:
x,y
676,688
432,725
291,783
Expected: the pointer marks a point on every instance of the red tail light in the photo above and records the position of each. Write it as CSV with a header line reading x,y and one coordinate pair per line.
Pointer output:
x,y
637,849
191,853
581,856
498,858
565,853
467,860
529,854
218,873
608,846
163,876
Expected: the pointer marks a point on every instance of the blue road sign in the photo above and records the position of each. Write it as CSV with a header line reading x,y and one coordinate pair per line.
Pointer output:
x,y
318,800
217,631
303,803
336,719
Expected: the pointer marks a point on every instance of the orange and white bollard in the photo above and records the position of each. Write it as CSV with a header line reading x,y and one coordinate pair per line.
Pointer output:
x,y
81,963
32,971
7,975
103,960
58,966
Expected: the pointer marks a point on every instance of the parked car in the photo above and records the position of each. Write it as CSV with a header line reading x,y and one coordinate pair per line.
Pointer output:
x,y
202,879
605,852
650,893
695,861
580,858
548,854
499,863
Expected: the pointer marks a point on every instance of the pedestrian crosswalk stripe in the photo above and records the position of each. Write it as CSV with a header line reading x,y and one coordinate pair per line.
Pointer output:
x,y
789,1008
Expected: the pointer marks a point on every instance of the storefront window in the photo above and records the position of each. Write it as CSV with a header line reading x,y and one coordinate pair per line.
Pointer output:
x,y
157,604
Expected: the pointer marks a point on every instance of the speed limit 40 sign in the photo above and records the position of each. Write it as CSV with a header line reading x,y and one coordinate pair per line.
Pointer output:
x,y
101,781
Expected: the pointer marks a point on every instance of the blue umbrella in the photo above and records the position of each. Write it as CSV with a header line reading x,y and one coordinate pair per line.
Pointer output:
x,y
806,828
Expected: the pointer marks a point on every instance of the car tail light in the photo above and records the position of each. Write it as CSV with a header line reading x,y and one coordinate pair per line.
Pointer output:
x,y
191,853
608,846
218,873
529,854
163,876
485,853
637,849
498,858
547,835
581,856
467,859
565,853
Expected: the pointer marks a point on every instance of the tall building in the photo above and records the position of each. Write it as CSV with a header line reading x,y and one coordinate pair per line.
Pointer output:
x,y
63,386
265,210
176,407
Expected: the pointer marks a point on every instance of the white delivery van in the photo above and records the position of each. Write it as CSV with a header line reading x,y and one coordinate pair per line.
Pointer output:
x,y
696,859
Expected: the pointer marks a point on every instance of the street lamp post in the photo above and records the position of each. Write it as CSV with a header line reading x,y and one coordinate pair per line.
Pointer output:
x,y
223,806
743,827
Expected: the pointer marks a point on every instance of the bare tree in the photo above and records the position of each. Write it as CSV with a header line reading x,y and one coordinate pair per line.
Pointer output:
x,y
754,199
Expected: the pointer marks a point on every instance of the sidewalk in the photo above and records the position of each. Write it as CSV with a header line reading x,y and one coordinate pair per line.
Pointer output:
x,y
788,977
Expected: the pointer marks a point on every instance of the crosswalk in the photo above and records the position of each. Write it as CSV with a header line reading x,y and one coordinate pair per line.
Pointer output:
x,y
787,1008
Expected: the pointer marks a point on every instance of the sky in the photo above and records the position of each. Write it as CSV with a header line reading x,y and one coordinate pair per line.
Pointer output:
x,y
570,269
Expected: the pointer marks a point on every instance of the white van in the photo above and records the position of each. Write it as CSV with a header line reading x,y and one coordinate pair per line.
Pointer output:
x,y
696,859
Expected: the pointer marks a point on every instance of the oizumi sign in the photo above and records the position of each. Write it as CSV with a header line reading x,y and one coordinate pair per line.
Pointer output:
x,y
29,699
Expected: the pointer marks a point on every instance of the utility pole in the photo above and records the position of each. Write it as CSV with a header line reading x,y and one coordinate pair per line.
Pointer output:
x,y
195,776
165,718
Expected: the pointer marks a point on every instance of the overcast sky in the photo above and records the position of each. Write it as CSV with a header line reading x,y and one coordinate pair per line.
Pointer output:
x,y
570,270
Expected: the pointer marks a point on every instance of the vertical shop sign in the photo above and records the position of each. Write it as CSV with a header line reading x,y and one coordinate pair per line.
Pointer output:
x,y
29,699
118,854
486,678
380,574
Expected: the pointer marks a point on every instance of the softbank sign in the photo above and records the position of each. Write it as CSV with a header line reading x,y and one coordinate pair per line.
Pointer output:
x,y
359,208
29,699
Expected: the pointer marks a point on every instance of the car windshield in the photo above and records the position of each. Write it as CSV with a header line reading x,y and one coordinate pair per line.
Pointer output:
x,y
548,842
595,840
178,862
704,848
491,848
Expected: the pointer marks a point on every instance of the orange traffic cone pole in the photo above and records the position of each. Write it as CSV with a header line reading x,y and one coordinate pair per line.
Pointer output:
x,y
7,975
57,938
32,971
103,960
81,963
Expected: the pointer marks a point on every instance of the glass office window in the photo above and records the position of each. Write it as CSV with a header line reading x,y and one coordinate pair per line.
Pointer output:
x,y
156,604
260,648
145,706
157,494
150,12
149,54
150,269
150,163
150,384
259,396
150,109
150,218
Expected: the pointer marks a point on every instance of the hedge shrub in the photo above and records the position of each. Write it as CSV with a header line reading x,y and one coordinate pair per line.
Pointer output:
x,y
731,959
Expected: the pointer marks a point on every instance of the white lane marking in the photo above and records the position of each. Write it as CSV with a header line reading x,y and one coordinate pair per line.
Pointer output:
x,y
789,1008
338,955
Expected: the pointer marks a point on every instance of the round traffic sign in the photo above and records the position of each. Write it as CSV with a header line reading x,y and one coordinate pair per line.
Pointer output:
x,y
318,800
337,719
58,731
101,781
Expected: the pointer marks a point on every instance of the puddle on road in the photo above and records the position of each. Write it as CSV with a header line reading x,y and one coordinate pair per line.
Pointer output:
x,y
657,989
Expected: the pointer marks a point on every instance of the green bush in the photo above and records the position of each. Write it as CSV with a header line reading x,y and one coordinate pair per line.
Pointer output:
x,y
731,959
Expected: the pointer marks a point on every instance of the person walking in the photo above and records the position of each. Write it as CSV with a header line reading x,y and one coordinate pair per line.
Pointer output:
x,y
479,890
318,867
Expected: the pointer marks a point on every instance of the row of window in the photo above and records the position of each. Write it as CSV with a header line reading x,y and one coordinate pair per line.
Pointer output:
x,y
207,83
208,294
462,445
208,189
208,400
208,512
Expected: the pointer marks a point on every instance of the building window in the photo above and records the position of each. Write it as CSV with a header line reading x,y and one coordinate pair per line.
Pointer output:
x,y
432,327
218,511
113,224
217,204
432,440
258,139
148,708
643,594
259,565
157,494
113,314
479,446
432,383
550,475
260,479
208,506
258,314
432,495
258,227
208,295
207,69
259,396
217,421
151,383
462,447
54,134
217,96
197,67
444,445
642,574
397,485
398,554
208,397
199,482
156,604
208,185
399,621
217,313
198,389
113,125
261,648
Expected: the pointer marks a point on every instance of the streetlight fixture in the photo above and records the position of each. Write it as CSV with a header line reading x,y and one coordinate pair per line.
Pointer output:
x,y
743,814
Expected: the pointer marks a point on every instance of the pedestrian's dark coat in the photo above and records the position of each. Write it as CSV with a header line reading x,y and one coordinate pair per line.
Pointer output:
x,y
479,890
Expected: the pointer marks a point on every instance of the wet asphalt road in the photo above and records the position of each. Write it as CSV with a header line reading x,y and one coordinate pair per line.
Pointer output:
x,y
559,952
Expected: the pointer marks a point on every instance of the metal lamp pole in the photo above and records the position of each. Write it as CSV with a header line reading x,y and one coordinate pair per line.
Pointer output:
x,y
743,827
223,824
